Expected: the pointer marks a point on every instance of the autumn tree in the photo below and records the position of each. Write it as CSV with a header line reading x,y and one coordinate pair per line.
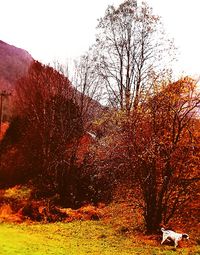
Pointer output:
x,y
130,48
44,99
163,150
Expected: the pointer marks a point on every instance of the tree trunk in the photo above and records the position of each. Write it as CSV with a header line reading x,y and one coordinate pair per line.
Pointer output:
x,y
153,214
153,219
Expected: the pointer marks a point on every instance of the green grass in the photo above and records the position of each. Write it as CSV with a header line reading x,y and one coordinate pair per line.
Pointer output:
x,y
79,237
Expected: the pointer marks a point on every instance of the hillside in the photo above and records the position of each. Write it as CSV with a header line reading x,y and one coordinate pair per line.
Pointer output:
x,y
14,63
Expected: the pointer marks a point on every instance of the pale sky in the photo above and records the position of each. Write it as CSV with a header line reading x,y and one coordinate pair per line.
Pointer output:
x,y
64,29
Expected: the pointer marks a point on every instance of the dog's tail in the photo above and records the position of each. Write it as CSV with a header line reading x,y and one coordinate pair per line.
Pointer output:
x,y
162,229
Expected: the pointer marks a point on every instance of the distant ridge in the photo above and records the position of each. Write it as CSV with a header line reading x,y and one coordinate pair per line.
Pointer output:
x,y
14,63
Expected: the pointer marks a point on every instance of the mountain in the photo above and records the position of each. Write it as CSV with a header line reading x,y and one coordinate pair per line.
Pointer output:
x,y
14,63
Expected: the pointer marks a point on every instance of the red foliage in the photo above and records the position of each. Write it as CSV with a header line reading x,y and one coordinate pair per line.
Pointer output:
x,y
84,147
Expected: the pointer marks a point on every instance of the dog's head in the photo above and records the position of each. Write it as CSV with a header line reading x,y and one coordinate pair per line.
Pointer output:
x,y
185,236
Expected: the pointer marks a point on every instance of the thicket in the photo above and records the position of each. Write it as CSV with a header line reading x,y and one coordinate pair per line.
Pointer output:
x,y
42,142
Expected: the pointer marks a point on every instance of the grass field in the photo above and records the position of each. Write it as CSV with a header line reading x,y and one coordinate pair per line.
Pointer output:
x,y
80,238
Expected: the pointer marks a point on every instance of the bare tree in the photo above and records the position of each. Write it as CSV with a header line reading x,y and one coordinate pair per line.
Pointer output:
x,y
131,47
88,91
86,83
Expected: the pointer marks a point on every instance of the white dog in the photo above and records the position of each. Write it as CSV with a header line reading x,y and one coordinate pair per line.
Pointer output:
x,y
171,235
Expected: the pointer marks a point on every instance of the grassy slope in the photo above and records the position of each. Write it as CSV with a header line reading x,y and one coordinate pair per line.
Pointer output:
x,y
80,238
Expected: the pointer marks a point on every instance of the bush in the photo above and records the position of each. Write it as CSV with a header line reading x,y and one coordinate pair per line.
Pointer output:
x,y
42,211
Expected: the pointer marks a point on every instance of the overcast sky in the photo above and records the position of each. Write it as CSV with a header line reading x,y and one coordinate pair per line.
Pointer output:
x,y
64,29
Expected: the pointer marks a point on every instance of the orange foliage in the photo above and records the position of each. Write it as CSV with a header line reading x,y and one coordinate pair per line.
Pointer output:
x,y
7,214
87,212
4,127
